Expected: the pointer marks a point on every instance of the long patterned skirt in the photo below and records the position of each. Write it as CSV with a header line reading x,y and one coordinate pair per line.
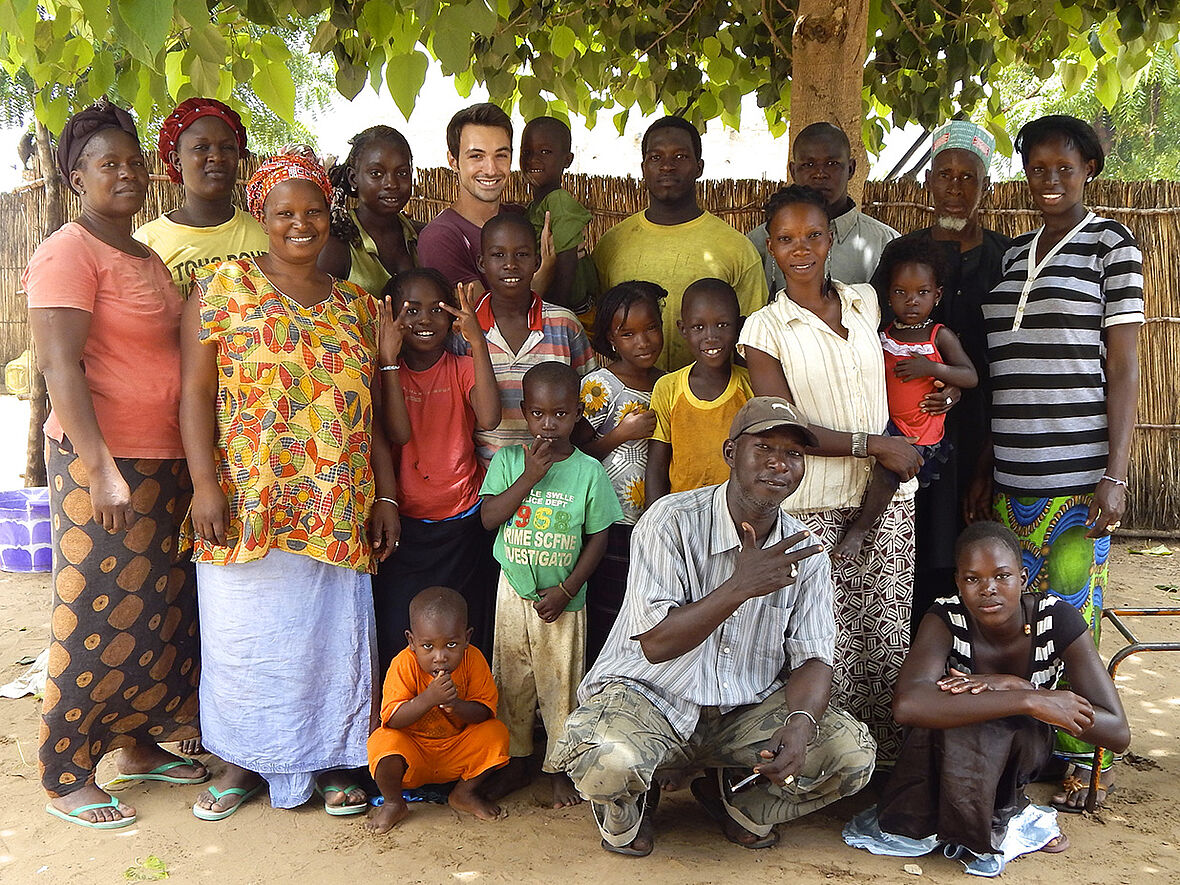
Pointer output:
x,y
123,656
874,593
1061,559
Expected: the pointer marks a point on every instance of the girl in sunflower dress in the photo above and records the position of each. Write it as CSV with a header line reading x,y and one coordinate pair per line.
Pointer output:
x,y
617,407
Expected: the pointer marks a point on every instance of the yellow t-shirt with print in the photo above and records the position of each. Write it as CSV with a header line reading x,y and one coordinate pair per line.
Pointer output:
x,y
185,249
696,428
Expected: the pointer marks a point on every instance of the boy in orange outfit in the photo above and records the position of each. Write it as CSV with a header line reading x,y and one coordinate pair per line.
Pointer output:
x,y
438,714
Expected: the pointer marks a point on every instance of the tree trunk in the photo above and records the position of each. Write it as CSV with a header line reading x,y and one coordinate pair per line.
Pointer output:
x,y
828,49
38,398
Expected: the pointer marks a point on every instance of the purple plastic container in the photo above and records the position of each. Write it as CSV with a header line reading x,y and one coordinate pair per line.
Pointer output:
x,y
25,541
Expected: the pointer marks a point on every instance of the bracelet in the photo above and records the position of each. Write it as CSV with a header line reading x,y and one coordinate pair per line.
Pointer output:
x,y
389,501
860,444
390,368
810,718
568,595
1117,482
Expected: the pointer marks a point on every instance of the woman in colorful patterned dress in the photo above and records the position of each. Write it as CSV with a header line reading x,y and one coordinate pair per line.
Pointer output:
x,y
106,317
1062,330
293,505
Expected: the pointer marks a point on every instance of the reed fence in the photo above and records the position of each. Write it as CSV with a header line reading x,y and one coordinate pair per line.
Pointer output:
x,y
1150,209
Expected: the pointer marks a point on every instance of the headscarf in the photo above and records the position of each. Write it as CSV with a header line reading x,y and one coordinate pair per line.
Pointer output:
x,y
965,136
279,169
83,126
187,113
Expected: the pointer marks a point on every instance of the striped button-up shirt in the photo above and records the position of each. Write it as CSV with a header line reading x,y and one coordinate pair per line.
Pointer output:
x,y
682,549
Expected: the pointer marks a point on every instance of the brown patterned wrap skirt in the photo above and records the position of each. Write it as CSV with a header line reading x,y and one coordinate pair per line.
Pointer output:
x,y
874,593
123,655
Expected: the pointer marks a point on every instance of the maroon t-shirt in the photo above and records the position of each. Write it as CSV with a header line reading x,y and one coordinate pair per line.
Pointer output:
x,y
450,244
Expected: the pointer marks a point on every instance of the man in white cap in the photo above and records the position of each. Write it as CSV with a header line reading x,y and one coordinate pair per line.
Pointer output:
x,y
961,155
721,657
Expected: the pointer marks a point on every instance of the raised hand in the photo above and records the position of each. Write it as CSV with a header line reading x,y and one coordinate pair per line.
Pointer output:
x,y
761,571
441,691
391,331
465,322
538,458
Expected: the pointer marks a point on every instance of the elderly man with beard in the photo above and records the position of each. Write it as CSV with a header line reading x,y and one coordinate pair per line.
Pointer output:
x,y
961,153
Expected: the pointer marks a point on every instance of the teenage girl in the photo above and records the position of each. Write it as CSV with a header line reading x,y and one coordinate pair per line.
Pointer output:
x,y
376,240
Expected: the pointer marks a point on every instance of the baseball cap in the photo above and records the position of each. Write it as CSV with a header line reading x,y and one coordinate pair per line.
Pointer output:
x,y
764,413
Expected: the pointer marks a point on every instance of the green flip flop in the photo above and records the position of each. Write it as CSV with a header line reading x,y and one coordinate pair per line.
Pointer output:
x,y
342,810
209,814
73,818
159,773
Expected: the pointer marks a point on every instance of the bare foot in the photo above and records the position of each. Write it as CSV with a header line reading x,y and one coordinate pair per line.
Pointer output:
x,y
465,797
92,795
191,747
507,780
641,845
850,547
385,817
564,794
145,758
234,776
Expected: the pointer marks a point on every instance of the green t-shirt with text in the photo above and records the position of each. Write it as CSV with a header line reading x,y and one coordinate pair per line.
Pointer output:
x,y
540,544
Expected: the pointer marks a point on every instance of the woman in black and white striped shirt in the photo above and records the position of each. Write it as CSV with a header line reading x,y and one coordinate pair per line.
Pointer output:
x,y
1062,328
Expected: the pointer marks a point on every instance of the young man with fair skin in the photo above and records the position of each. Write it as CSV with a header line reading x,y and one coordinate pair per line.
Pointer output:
x,y
479,149
674,241
821,157
721,657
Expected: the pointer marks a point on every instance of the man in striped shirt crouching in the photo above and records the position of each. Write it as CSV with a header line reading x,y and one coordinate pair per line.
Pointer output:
x,y
721,657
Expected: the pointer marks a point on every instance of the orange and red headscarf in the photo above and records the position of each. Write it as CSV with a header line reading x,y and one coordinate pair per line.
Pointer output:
x,y
187,113
283,168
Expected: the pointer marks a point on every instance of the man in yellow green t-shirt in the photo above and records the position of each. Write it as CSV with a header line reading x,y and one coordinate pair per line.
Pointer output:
x,y
675,242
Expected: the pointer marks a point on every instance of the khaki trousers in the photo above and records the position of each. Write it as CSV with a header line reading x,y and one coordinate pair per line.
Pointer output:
x,y
615,742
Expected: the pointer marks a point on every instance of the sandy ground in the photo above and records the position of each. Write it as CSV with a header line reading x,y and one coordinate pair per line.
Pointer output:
x,y
1134,840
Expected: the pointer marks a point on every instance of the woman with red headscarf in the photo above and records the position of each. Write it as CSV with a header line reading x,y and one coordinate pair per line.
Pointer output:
x,y
201,144
293,504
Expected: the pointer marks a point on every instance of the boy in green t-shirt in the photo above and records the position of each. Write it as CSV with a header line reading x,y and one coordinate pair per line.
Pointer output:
x,y
552,505
545,154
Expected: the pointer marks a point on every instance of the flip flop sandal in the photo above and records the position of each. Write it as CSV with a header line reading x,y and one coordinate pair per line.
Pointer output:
x,y
210,814
646,806
159,773
716,810
73,818
342,810
1056,845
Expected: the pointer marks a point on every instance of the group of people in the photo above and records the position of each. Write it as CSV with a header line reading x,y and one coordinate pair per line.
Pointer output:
x,y
694,492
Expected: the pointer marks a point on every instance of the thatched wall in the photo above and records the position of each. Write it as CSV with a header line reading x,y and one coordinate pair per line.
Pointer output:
x,y
1150,210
